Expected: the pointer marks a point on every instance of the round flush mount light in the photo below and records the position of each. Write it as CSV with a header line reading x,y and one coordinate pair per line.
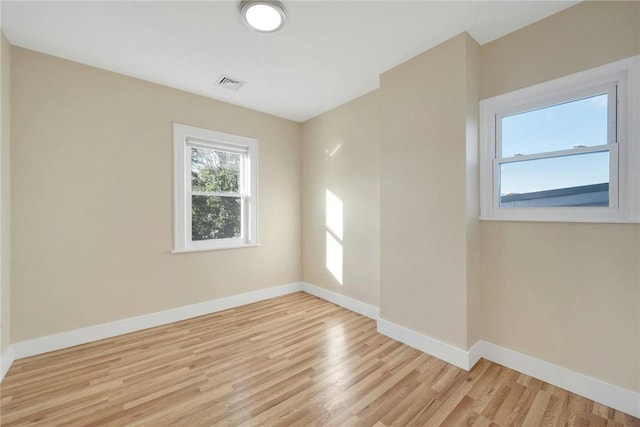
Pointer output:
x,y
263,15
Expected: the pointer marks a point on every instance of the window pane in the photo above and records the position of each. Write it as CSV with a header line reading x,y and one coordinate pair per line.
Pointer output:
x,y
214,170
215,217
579,180
559,127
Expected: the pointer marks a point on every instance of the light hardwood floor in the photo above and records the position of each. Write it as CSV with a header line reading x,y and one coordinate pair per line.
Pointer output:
x,y
294,360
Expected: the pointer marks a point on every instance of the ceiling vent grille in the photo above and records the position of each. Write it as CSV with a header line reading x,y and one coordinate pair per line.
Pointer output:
x,y
230,83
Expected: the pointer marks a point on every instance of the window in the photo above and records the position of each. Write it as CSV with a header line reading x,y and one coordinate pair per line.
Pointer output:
x,y
215,184
565,150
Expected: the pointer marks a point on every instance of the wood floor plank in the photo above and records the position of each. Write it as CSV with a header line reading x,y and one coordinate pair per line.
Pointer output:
x,y
537,408
295,360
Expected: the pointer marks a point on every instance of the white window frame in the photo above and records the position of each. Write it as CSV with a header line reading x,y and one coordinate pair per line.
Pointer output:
x,y
621,78
184,138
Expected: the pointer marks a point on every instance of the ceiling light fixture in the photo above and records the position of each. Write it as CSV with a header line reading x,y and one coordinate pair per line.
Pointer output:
x,y
263,15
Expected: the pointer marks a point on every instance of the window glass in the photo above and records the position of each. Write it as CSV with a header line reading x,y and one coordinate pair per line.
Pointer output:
x,y
214,170
214,217
579,123
578,180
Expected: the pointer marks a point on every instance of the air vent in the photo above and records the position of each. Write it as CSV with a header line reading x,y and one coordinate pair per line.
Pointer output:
x,y
230,83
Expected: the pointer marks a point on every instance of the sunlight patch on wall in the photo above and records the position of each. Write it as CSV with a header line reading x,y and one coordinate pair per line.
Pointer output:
x,y
334,223
334,214
330,153
334,257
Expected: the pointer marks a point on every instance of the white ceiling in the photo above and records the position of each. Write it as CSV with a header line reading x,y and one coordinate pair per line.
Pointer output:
x,y
327,53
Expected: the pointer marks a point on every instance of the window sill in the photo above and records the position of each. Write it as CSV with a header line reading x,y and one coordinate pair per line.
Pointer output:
x,y
217,248
574,219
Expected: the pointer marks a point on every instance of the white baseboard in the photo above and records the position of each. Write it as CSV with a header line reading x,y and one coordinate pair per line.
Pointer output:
x,y
475,354
447,352
132,324
6,359
592,388
608,394
349,303
611,395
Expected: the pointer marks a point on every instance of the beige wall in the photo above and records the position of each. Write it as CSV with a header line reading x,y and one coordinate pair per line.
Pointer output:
x,y
584,36
565,293
92,207
423,277
5,193
341,153
472,50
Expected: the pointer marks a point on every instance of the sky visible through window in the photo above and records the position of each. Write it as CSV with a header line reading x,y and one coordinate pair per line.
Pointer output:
x,y
560,127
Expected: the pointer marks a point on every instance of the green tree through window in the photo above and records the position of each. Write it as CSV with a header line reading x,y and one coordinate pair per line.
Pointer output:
x,y
217,206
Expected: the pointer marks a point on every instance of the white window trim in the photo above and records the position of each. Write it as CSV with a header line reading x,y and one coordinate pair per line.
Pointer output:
x,y
625,205
185,137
